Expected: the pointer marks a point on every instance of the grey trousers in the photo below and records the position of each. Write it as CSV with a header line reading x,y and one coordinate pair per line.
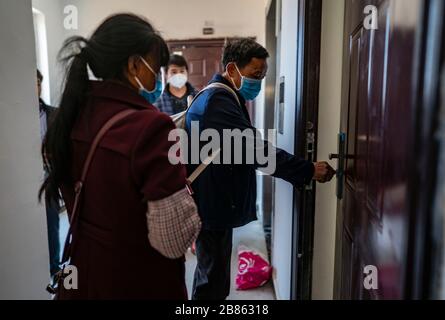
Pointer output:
x,y
212,274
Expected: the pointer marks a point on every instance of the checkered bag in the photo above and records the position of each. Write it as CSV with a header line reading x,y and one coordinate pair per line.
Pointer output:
x,y
173,224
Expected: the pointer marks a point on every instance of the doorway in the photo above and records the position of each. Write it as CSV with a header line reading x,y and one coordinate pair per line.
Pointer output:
x,y
306,132
298,29
267,204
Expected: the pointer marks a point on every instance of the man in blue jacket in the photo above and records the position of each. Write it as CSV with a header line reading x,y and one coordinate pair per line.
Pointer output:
x,y
226,193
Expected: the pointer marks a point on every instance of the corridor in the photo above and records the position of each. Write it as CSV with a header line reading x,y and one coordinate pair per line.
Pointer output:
x,y
349,96
251,236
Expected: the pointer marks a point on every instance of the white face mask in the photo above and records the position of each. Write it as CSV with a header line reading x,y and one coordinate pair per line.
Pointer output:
x,y
178,80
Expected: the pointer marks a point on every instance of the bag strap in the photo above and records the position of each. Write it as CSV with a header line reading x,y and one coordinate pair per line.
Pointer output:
x,y
215,85
78,187
203,166
212,157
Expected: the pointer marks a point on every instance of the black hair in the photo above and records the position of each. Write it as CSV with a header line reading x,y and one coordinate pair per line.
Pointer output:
x,y
177,60
107,52
242,51
39,75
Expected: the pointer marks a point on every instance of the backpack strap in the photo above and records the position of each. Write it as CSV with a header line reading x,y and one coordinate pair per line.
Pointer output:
x,y
78,187
215,85
203,166
200,169
190,99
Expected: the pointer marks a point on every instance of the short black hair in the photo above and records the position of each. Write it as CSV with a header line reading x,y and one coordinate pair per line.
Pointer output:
x,y
177,60
39,75
242,51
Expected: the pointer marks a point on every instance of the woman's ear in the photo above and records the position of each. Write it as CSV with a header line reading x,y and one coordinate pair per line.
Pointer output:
x,y
132,66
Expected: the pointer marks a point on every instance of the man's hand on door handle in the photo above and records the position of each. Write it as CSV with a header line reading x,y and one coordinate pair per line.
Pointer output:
x,y
323,172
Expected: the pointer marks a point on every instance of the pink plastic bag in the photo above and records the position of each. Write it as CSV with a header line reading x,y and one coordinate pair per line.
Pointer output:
x,y
253,269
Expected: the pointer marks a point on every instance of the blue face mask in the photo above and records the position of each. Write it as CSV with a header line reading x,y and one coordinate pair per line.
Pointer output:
x,y
150,96
250,88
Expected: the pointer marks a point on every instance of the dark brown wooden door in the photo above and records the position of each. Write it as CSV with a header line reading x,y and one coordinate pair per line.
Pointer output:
x,y
203,57
377,129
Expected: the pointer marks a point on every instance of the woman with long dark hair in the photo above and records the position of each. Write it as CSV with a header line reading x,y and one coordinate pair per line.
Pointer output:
x,y
122,246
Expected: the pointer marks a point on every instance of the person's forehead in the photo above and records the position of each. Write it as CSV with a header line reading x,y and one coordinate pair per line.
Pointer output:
x,y
257,66
175,66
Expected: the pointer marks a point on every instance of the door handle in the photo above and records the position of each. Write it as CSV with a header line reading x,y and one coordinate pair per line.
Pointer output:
x,y
333,156
341,157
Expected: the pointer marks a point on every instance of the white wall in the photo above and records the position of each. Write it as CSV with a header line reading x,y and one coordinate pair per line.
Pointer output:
x,y
175,19
182,19
42,52
328,129
24,269
282,223
56,34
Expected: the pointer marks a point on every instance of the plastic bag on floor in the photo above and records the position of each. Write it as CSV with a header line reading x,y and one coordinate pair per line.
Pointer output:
x,y
254,269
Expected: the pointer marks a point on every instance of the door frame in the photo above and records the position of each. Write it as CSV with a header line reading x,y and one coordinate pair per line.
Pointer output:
x,y
306,131
268,188
426,219
339,210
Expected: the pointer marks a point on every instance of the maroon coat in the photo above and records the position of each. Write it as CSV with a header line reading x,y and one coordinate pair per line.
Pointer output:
x,y
113,255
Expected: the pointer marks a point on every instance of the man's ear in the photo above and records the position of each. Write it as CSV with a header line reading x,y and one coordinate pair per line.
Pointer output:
x,y
133,66
231,70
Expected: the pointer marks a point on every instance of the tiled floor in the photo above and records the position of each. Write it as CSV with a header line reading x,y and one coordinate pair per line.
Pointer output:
x,y
251,236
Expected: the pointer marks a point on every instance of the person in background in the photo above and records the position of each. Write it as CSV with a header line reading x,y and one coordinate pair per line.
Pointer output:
x,y
174,98
52,207
226,193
